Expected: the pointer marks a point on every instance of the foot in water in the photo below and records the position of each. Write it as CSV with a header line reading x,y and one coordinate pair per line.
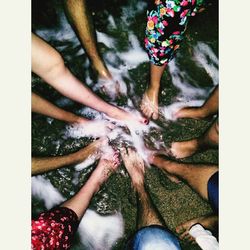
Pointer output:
x,y
209,222
192,112
184,149
122,115
149,104
134,165
105,168
163,164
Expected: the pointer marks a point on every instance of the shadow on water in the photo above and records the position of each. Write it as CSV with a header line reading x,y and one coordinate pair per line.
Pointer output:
x,y
190,77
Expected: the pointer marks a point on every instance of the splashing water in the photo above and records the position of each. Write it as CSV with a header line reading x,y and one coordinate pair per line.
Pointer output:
x,y
205,58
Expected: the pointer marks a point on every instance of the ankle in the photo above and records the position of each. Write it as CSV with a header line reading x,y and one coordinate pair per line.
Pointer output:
x,y
139,187
153,89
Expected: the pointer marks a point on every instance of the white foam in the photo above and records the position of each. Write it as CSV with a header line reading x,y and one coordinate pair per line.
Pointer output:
x,y
94,129
105,39
135,55
201,54
179,80
44,190
100,232
86,163
112,21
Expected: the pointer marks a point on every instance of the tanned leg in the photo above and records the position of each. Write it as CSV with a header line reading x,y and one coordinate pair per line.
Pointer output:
x,y
81,19
209,108
80,202
44,164
195,175
149,105
48,64
209,139
147,214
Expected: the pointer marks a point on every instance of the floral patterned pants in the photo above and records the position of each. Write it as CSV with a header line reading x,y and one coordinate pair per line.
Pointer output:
x,y
54,229
166,23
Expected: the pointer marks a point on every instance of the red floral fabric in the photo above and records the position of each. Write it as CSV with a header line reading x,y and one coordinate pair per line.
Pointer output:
x,y
54,229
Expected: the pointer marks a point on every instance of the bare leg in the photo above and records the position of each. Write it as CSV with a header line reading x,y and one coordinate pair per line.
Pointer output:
x,y
80,202
48,64
209,108
149,105
82,20
196,175
187,148
44,107
44,164
147,214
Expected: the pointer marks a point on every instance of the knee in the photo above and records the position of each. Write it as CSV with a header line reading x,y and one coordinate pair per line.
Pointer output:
x,y
55,67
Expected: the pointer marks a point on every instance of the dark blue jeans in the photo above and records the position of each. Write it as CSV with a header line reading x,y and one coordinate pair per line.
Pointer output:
x,y
153,238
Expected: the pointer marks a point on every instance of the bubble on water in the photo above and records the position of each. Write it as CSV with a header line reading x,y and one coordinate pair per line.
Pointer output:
x,y
99,232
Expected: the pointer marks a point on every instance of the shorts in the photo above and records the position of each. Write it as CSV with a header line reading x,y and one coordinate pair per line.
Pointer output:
x,y
166,23
153,237
213,191
54,229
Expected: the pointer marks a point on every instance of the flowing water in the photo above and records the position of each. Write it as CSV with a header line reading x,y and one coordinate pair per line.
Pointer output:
x,y
190,77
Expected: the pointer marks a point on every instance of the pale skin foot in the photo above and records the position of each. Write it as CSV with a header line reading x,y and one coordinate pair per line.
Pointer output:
x,y
149,104
134,165
122,115
105,168
209,222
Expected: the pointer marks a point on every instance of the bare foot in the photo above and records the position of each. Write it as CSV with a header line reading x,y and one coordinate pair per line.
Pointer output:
x,y
134,165
192,112
149,104
184,148
122,115
105,168
209,222
161,163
